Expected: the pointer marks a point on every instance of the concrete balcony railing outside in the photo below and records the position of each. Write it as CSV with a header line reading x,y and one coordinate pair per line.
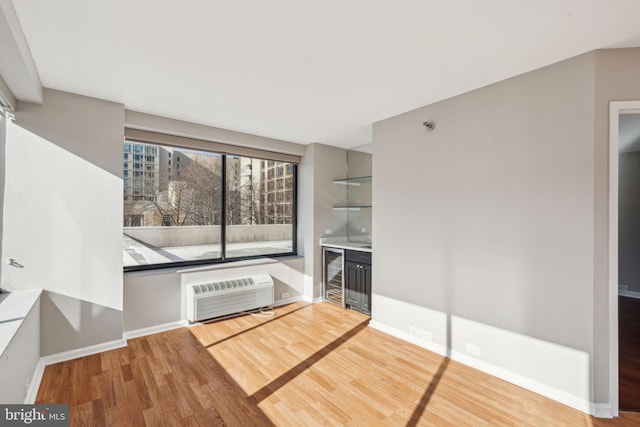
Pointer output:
x,y
157,245
208,234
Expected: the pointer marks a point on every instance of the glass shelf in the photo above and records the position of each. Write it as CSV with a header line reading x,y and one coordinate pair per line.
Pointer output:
x,y
352,181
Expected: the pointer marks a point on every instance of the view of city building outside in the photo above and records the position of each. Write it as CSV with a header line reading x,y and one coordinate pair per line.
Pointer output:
x,y
173,205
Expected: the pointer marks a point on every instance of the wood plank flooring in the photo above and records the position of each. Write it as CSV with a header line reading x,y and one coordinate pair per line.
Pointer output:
x,y
309,365
629,352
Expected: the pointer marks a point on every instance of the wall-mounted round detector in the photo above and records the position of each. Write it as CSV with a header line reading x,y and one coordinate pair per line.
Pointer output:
x,y
429,125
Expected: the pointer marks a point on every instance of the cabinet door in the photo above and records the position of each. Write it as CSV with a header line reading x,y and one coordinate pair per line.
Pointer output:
x,y
352,271
365,302
358,286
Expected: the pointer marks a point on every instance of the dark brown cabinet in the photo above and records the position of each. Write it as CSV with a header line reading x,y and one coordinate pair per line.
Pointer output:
x,y
358,281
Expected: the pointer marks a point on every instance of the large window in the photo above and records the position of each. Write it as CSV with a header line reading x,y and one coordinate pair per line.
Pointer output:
x,y
188,207
259,217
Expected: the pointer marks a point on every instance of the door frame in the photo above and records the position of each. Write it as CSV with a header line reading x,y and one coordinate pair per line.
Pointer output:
x,y
616,109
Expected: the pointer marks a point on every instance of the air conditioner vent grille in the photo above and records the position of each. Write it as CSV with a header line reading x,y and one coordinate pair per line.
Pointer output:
x,y
209,300
225,284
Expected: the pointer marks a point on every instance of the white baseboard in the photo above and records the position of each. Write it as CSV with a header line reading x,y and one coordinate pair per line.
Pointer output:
x,y
597,410
526,383
286,301
34,385
630,294
601,410
311,300
44,361
406,336
137,333
82,352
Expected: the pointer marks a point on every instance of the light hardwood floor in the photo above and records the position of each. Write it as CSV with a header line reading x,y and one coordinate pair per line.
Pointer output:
x,y
309,365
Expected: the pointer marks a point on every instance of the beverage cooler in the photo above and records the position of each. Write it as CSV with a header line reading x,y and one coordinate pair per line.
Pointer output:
x,y
333,275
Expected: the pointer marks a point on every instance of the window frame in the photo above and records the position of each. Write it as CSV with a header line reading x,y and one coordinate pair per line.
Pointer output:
x,y
259,155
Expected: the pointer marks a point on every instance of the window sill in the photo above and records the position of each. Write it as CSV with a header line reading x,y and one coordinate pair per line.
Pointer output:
x,y
239,263
217,266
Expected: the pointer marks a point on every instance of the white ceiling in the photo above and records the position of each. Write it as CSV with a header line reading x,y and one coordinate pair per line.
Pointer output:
x,y
305,71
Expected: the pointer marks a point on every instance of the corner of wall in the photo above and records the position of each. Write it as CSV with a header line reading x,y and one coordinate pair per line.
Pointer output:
x,y
67,323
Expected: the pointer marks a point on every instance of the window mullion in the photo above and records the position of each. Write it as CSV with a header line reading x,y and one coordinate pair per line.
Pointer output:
x,y
223,214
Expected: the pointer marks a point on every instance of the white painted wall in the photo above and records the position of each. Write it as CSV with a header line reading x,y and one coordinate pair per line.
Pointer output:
x,y
18,360
488,221
63,198
3,134
63,216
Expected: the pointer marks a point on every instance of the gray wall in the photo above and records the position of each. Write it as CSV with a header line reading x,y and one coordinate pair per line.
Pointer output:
x,y
156,298
321,164
359,164
489,218
629,221
617,72
69,323
496,200
3,134
142,121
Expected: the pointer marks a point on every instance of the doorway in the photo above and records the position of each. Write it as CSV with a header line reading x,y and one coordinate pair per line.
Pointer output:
x,y
624,250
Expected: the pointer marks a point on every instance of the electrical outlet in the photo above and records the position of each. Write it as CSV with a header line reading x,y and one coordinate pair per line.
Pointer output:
x,y
363,229
328,231
284,295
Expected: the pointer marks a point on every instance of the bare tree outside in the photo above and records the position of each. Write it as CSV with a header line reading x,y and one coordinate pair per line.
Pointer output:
x,y
188,193
173,204
193,197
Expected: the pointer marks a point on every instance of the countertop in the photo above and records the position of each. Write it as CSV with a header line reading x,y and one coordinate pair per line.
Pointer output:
x,y
354,246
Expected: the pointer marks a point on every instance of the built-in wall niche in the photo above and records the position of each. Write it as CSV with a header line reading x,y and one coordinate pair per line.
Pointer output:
x,y
357,205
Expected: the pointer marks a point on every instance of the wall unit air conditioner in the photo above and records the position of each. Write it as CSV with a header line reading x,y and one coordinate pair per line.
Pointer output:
x,y
220,298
